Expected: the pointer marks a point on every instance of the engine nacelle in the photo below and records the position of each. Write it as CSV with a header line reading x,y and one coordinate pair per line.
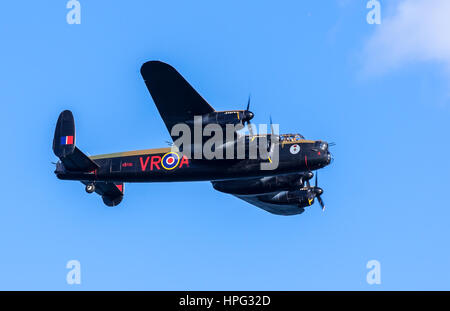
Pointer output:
x,y
112,201
223,118
301,198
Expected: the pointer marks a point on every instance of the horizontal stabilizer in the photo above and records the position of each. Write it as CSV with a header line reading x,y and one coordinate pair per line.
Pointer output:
x,y
77,161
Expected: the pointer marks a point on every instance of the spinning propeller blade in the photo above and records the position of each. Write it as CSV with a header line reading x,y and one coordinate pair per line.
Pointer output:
x,y
321,202
249,113
318,191
271,125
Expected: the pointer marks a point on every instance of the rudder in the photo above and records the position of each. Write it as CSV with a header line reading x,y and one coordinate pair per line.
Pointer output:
x,y
64,139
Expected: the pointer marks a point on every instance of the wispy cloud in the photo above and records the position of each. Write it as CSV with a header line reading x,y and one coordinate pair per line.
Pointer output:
x,y
418,30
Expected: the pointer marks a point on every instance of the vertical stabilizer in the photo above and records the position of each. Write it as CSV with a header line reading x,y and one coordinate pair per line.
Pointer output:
x,y
64,139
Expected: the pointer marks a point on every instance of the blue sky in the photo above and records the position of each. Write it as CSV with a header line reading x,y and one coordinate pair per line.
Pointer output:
x,y
318,69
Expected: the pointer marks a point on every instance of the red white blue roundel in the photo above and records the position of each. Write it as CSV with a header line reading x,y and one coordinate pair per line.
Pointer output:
x,y
170,160
294,149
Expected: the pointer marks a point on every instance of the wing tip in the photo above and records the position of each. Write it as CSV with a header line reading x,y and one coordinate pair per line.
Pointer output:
x,y
154,65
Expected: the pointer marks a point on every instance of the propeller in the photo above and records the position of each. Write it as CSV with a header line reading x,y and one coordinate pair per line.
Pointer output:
x,y
277,139
271,126
248,115
318,192
272,132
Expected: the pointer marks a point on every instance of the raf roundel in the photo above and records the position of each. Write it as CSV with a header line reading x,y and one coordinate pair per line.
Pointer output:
x,y
170,160
294,149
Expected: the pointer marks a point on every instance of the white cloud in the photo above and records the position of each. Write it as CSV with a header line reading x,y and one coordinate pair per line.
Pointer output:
x,y
419,30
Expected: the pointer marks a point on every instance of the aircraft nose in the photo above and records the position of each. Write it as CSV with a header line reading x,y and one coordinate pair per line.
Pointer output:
x,y
329,158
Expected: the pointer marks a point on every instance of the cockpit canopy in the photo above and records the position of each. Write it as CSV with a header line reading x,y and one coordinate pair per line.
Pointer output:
x,y
291,137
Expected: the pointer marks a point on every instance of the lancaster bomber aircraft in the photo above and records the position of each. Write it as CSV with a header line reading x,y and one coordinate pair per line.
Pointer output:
x,y
284,190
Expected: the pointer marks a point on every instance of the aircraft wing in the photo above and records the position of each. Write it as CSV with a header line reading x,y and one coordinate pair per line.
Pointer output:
x,y
277,209
177,101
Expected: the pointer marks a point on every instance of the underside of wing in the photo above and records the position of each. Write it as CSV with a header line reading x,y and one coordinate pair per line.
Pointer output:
x,y
278,209
177,101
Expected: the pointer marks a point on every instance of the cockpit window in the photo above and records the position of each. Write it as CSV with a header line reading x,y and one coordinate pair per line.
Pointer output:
x,y
323,146
291,137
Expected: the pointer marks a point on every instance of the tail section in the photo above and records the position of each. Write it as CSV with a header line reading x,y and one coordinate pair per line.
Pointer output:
x,y
74,161
64,139
64,145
